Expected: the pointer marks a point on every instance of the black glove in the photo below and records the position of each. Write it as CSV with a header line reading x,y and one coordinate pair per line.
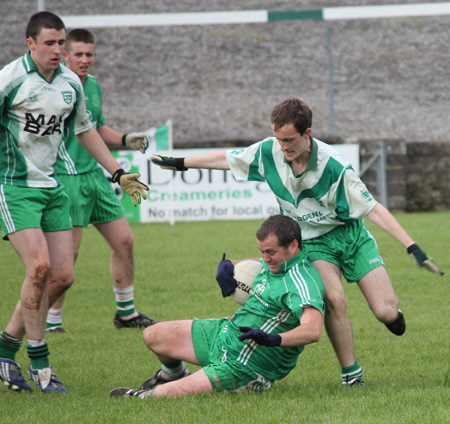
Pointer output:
x,y
225,277
422,259
168,162
260,337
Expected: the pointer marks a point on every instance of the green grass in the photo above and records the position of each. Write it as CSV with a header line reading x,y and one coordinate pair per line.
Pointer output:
x,y
175,279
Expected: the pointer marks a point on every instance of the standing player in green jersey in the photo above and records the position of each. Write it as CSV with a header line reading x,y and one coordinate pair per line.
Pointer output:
x,y
260,343
40,100
316,185
92,199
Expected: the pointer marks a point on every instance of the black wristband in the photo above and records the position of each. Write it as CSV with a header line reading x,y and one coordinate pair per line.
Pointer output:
x,y
123,139
116,176
412,247
179,164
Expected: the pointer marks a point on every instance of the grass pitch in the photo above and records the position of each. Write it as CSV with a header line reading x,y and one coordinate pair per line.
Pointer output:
x,y
175,279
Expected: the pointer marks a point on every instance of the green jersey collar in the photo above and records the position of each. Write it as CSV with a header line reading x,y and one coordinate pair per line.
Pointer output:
x,y
30,66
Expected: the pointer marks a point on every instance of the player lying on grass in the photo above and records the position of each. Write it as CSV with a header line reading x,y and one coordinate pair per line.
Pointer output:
x,y
260,343
316,185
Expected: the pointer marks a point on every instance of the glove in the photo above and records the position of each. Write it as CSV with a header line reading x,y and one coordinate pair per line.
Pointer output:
x,y
260,337
168,162
130,185
135,141
422,259
225,277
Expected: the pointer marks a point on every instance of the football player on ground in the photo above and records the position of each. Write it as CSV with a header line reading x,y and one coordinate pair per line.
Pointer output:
x,y
316,185
260,343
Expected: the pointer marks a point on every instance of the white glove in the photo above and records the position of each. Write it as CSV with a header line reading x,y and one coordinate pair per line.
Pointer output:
x,y
135,141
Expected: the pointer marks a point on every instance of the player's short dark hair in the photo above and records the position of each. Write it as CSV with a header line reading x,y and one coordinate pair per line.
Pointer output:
x,y
43,20
292,111
80,35
285,228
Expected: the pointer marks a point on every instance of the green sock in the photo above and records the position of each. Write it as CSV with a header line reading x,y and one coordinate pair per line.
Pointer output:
x,y
9,346
354,371
38,356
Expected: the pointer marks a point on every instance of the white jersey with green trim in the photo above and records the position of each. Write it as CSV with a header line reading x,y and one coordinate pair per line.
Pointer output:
x,y
34,115
327,194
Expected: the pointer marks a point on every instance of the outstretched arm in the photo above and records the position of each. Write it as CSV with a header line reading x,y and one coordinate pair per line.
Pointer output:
x,y
213,160
381,217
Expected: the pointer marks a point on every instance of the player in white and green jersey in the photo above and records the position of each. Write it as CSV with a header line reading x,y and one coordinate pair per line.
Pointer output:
x,y
92,199
327,195
260,343
315,185
40,100
31,110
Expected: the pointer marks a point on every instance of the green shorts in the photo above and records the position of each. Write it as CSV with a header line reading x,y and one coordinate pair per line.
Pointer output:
x,y
351,247
224,372
22,208
92,199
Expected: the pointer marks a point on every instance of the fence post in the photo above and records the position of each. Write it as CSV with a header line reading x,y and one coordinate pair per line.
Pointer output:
x,y
379,158
382,173
330,77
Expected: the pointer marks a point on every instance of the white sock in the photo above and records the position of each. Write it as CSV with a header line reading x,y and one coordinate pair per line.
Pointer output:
x,y
124,295
36,343
125,302
54,316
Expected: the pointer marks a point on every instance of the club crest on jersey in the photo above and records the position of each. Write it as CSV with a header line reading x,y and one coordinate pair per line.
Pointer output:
x,y
67,96
32,97
259,289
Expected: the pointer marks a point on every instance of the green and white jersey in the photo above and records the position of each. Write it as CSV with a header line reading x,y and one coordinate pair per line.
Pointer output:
x,y
327,194
34,115
275,306
73,158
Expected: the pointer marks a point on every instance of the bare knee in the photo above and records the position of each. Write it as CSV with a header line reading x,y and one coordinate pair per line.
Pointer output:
x,y
124,245
385,309
58,284
128,241
152,336
335,303
379,293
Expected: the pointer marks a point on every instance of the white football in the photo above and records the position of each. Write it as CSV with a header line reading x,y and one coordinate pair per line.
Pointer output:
x,y
245,273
